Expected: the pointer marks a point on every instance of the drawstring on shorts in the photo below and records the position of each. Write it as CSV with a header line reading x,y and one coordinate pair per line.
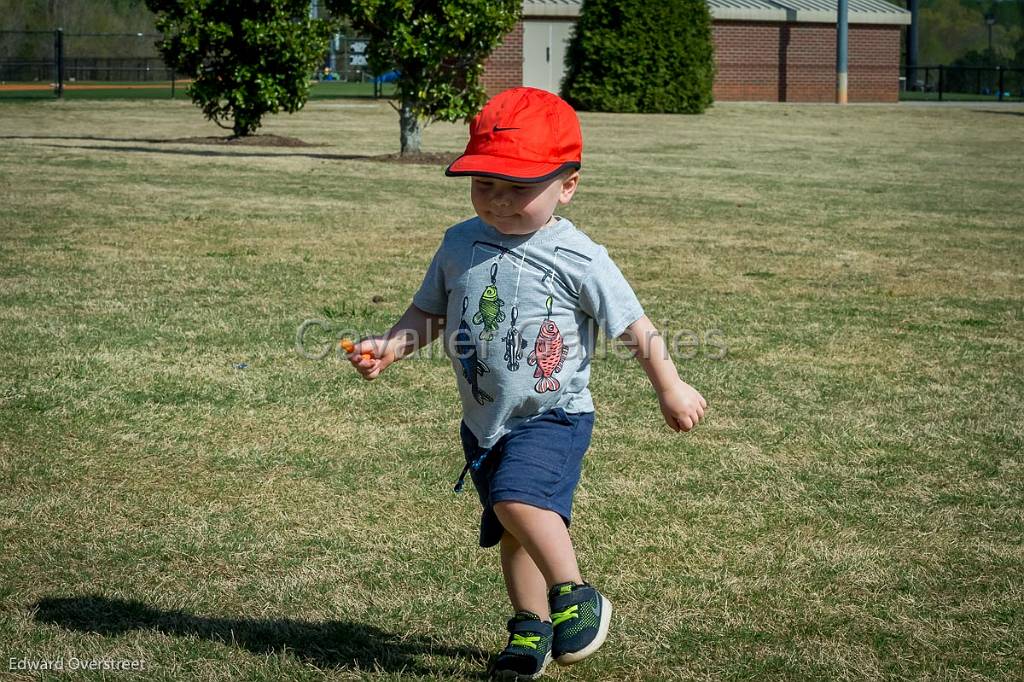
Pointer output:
x,y
474,465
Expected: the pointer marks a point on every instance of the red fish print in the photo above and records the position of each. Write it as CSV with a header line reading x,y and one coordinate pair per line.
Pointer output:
x,y
549,355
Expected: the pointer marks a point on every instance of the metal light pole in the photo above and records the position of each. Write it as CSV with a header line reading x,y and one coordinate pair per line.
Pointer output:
x,y
58,58
912,46
842,32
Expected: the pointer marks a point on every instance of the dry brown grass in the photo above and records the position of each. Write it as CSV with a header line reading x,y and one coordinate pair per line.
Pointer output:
x,y
852,508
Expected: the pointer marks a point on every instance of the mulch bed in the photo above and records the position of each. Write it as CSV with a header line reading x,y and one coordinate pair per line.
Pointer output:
x,y
422,158
247,141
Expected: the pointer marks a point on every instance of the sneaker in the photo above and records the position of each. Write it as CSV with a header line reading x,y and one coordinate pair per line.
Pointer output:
x,y
580,616
528,650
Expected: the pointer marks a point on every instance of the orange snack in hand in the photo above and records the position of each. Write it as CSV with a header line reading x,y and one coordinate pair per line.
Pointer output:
x,y
348,347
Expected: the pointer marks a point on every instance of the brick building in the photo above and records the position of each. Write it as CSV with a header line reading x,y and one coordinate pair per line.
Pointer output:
x,y
771,50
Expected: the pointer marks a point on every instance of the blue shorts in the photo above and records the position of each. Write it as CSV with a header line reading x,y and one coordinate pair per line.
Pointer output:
x,y
538,463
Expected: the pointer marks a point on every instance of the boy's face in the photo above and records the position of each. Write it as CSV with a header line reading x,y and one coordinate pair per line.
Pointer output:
x,y
521,208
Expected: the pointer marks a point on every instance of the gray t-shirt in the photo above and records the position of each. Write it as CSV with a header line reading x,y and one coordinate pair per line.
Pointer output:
x,y
520,319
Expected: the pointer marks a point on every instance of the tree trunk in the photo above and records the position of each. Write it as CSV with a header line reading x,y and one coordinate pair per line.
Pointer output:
x,y
412,131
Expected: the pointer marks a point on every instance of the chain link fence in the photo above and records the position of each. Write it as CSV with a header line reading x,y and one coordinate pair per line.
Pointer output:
x,y
42,62
52,57
27,57
965,83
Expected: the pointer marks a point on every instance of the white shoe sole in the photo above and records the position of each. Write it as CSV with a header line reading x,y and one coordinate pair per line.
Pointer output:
x,y
513,676
602,632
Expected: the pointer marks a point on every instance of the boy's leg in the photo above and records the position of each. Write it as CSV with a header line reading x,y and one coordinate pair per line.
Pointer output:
x,y
531,635
525,583
542,533
580,614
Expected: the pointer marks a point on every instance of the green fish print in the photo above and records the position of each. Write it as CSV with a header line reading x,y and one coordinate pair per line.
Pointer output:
x,y
489,313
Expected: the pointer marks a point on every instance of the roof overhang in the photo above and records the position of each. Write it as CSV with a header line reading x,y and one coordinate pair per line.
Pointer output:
x,y
808,11
566,9
800,11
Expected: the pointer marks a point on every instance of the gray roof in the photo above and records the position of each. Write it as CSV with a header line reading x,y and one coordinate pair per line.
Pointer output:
x,y
816,11
551,8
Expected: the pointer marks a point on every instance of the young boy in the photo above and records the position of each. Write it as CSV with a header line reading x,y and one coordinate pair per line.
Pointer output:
x,y
518,291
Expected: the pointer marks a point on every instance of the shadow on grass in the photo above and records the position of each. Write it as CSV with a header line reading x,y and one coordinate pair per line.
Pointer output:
x,y
179,152
211,152
998,113
77,138
422,158
327,644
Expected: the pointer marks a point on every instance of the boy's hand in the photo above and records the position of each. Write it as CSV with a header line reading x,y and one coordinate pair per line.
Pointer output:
x,y
682,406
381,355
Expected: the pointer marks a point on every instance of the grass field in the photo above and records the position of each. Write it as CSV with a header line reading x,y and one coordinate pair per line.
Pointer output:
x,y
162,90
182,488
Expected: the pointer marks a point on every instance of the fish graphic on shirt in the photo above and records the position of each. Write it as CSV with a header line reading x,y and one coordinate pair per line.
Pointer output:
x,y
548,354
515,344
472,365
489,313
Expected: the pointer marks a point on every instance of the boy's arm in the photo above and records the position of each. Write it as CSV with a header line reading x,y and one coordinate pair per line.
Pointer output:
x,y
681,405
415,329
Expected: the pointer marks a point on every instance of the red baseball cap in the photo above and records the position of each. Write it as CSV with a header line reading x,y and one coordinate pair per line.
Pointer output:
x,y
522,135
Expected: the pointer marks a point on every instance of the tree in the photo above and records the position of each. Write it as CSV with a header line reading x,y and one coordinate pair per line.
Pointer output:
x,y
438,49
641,56
1018,45
950,29
74,16
246,58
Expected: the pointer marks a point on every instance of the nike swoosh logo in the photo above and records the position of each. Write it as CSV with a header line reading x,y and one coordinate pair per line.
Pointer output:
x,y
501,130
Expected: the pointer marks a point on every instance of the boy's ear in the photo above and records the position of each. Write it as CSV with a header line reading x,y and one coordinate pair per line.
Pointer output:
x,y
569,184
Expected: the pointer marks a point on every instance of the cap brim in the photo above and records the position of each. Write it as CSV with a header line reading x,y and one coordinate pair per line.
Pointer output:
x,y
510,170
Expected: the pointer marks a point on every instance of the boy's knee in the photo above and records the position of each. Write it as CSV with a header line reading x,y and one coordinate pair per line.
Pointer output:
x,y
511,508
509,541
515,513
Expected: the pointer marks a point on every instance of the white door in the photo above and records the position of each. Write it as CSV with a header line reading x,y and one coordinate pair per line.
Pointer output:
x,y
544,47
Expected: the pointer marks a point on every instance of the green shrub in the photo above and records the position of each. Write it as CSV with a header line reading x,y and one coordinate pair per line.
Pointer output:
x,y
438,48
245,59
650,56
